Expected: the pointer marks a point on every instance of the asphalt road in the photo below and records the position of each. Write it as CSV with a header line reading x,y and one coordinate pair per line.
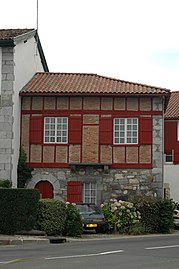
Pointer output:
x,y
154,252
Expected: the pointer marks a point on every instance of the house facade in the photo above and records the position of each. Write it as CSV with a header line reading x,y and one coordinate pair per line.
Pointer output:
x,y
171,149
90,138
21,56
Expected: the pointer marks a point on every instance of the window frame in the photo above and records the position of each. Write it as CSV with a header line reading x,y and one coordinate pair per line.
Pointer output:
x,y
124,131
90,198
55,130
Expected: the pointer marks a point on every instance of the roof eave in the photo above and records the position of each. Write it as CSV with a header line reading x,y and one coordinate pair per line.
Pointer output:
x,y
7,43
42,55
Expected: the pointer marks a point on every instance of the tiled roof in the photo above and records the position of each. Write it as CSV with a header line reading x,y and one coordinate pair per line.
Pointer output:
x,y
80,83
172,110
8,34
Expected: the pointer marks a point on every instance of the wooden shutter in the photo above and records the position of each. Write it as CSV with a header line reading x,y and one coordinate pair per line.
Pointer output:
x,y
105,131
145,130
75,127
74,191
36,129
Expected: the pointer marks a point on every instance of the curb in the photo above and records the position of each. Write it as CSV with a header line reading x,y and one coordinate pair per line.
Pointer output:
x,y
21,241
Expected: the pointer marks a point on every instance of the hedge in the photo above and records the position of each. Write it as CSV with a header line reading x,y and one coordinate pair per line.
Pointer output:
x,y
51,216
18,210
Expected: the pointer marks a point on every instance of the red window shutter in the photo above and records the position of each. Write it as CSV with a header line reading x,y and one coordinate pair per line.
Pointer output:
x,y
170,135
145,131
75,127
74,191
105,135
36,129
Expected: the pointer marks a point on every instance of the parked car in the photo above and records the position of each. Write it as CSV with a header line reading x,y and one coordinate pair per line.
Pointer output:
x,y
176,215
92,217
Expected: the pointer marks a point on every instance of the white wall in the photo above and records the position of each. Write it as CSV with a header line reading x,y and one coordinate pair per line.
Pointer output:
x,y
0,67
171,176
27,63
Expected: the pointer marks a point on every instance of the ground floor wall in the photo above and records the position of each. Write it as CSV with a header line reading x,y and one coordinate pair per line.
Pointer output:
x,y
171,180
110,183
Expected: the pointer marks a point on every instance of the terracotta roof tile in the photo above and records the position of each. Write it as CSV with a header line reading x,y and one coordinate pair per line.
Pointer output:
x,y
8,34
172,110
82,83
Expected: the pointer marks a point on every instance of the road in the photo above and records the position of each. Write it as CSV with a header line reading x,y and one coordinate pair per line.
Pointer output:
x,y
153,252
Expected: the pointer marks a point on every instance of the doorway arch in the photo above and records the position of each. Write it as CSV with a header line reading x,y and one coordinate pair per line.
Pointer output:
x,y
45,188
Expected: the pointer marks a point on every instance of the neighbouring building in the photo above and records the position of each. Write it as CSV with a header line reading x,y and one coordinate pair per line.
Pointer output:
x,y
171,150
91,138
21,56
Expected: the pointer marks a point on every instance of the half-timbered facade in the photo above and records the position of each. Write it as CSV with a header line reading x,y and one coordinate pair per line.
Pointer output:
x,y
90,138
171,149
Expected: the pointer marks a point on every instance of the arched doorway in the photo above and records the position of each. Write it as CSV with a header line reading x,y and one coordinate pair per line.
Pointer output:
x,y
45,188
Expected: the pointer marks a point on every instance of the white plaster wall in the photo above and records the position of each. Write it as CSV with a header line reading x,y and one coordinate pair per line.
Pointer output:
x,y
0,68
27,63
171,176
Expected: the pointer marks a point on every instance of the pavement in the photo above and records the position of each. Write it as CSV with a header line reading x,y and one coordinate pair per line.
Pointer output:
x,y
32,239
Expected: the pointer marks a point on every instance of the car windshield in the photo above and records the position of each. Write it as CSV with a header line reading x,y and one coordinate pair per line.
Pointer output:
x,y
88,209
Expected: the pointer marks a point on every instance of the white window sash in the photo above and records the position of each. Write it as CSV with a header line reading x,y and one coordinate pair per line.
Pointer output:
x,y
55,130
125,131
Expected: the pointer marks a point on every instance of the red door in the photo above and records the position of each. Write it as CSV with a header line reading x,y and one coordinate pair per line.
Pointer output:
x,y
45,188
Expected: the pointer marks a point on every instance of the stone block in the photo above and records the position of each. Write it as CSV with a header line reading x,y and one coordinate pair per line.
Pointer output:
x,y
119,154
90,119
106,154
90,144
74,153
48,154
36,153
132,154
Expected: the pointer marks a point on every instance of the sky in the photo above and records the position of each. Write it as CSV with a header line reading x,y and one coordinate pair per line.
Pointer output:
x,y
132,40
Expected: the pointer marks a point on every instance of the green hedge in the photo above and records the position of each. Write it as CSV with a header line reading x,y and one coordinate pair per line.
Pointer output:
x,y
18,210
156,214
51,216
73,222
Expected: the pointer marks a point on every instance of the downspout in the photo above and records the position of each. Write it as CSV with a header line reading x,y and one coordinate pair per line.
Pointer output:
x,y
163,108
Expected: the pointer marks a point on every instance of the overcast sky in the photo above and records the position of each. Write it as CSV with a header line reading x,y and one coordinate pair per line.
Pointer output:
x,y
133,40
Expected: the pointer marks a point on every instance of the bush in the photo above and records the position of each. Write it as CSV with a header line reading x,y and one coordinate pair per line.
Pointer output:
x,y
51,216
23,170
18,210
120,215
73,223
156,214
5,183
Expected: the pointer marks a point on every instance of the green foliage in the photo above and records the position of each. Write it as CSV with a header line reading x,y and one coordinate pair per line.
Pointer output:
x,y
23,170
18,210
51,216
156,214
120,215
73,223
4,183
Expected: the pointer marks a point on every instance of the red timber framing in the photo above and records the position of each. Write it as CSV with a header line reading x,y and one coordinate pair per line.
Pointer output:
x,y
171,143
95,119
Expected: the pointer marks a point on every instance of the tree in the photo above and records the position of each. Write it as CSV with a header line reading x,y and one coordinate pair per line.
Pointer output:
x,y
23,170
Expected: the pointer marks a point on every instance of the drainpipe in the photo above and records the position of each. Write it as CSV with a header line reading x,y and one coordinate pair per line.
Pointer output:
x,y
163,106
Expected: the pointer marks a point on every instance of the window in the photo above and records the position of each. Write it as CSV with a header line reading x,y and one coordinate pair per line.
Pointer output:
x,y
89,193
169,157
125,131
56,130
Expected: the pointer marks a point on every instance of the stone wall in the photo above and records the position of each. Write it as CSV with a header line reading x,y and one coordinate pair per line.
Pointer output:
x,y
6,112
113,183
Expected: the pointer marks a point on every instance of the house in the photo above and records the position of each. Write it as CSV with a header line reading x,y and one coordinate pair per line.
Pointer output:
x,y
91,138
171,149
21,56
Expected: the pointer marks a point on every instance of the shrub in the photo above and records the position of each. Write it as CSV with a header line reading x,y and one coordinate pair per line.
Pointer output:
x,y
51,216
5,183
18,209
23,170
156,214
73,223
120,215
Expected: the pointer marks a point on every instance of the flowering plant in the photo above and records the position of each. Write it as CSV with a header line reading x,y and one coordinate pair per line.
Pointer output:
x,y
120,215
